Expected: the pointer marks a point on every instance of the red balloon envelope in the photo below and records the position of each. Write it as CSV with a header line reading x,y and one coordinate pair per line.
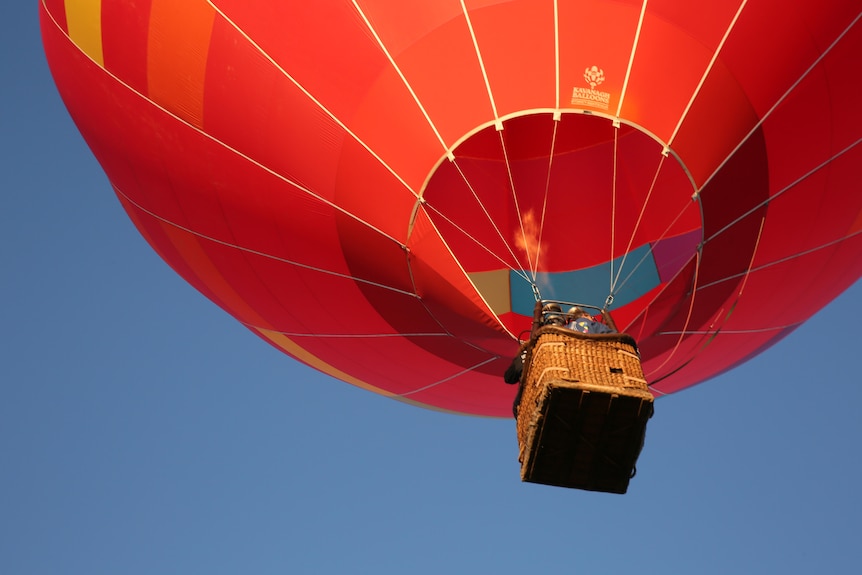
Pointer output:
x,y
379,188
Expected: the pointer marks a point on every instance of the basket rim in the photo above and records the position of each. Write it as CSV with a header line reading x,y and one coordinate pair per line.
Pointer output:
x,y
557,330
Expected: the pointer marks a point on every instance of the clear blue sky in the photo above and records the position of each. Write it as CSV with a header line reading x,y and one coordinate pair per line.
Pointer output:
x,y
143,431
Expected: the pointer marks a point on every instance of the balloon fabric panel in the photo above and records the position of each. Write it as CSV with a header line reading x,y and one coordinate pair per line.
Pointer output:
x,y
378,188
126,43
517,40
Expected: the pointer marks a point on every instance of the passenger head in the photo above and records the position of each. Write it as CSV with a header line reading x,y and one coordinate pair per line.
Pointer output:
x,y
575,313
552,314
555,319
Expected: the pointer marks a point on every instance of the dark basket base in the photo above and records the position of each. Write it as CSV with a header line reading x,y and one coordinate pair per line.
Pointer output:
x,y
586,439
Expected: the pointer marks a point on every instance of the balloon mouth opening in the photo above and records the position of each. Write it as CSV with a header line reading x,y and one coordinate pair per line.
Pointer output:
x,y
572,207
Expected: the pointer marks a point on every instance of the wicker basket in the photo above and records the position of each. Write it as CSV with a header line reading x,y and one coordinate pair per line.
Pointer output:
x,y
583,412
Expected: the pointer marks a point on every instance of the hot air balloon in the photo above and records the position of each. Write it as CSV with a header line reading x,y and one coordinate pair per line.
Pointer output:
x,y
382,190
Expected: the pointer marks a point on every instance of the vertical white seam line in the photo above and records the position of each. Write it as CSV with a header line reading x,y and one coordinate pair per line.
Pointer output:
x,y
403,78
497,121
557,59
706,73
616,130
316,102
779,102
631,58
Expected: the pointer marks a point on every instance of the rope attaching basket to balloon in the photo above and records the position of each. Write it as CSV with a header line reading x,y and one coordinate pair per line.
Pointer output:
x,y
584,406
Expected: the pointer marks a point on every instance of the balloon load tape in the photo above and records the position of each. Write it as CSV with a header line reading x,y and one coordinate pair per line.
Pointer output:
x,y
582,417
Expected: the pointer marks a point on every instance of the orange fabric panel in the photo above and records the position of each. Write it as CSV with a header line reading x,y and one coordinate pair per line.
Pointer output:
x,y
600,35
517,41
178,46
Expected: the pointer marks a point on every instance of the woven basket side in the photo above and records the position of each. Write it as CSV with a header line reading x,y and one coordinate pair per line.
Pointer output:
x,y
609,364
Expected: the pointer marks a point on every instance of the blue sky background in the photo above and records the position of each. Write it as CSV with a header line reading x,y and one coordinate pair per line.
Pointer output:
x,y
144,431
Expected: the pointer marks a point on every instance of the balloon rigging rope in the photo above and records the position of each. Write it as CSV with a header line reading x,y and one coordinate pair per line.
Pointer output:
x,y
531,265
491,221
745,276
547,192
637,226
267,169
742,142
481,64
706,73
773,197
614,277
779,101
449,378
450,155
119,192
709,335
635,40
651,248
751,269
311,97
745,215
786,188
520,273
785,259
249,159
273,172
753,210
690,312
517,205
401,75
614,210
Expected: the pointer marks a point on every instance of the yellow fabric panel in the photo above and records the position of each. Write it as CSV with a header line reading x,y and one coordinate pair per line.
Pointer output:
x,y
84,18
494,287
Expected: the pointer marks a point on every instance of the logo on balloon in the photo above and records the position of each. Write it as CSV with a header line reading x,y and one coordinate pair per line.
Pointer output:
x,y
590,96
594,76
